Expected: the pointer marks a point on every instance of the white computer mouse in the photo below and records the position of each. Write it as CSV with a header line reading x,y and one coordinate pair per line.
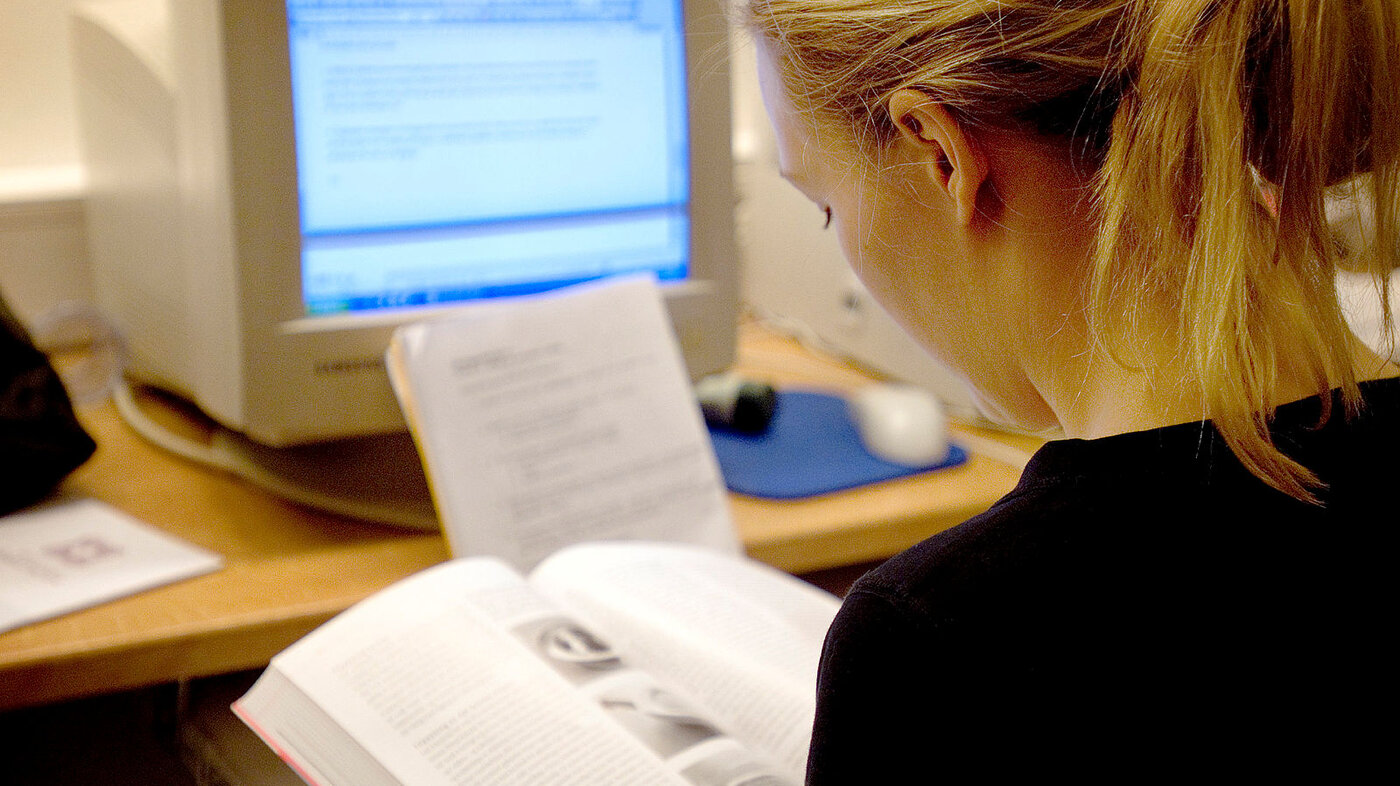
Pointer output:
x,y
901,424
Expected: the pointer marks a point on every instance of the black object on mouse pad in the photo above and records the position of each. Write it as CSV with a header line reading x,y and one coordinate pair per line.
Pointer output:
x,y
41,440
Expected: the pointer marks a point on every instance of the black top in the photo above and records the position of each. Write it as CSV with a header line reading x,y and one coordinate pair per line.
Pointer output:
x,y
1141,593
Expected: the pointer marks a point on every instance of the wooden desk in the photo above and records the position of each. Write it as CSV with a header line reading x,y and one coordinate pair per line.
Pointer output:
x,y
289,569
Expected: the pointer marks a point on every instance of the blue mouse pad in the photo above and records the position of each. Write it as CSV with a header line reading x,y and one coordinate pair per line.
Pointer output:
x,y
811,447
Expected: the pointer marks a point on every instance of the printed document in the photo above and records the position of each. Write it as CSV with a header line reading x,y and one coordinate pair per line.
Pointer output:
x,y
559,419
64,557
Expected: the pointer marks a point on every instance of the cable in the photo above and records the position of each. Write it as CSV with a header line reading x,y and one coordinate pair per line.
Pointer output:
x,y
162,437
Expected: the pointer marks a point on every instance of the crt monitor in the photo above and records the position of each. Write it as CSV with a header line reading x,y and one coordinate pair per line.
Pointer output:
x,y
278,184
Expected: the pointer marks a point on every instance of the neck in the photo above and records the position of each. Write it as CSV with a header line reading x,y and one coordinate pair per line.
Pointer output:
x,y
1145,381
1034,245
1040,240
1099,395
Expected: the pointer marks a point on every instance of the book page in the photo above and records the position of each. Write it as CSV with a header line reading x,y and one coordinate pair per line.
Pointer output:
x,y
59,558
465,674
742,637
559,419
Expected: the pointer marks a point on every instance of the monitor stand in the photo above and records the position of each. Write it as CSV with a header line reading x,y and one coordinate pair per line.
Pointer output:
x,y
376,478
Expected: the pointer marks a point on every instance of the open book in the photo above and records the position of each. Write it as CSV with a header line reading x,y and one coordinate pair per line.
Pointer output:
x,y
612,663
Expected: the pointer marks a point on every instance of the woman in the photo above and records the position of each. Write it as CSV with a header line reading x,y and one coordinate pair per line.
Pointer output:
x,y
1108,215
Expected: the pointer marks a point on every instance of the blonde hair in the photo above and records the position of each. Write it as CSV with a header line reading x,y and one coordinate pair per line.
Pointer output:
x,y
1216,130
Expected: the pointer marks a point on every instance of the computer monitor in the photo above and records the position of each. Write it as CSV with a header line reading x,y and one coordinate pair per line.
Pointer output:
x,y
278,184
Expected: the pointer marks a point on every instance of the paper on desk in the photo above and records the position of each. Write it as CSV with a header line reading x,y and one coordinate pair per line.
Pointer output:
x,y
58,559
558,419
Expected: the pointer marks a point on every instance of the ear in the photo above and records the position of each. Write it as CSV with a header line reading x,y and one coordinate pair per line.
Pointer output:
x,y
952,160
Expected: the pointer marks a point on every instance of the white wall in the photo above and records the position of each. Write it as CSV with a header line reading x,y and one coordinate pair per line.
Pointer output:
x,y
36,128
42,244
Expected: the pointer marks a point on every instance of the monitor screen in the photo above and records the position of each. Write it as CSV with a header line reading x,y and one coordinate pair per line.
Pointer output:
x,y
449,150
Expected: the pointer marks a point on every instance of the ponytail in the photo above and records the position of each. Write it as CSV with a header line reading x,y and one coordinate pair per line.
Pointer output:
x,y
1242,118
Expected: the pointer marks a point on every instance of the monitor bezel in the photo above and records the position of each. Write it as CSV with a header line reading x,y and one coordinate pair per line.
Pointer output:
x,y
311,378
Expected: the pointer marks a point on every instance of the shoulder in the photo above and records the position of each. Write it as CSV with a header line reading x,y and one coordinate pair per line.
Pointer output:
x,y
938,643
972,599
1050,510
